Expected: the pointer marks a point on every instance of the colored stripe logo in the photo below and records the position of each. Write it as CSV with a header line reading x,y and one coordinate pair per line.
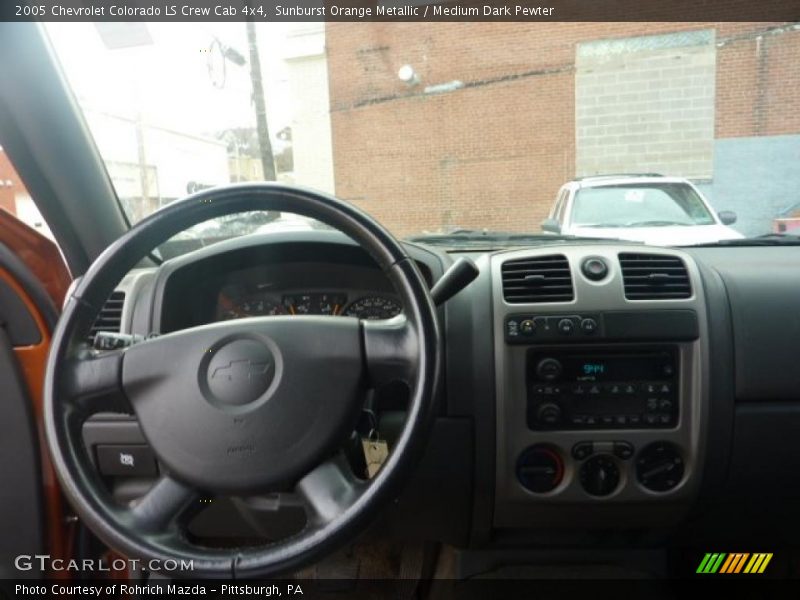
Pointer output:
x,y
734,563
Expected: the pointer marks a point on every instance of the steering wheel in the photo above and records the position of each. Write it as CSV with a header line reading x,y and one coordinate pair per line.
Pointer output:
x,y
242,407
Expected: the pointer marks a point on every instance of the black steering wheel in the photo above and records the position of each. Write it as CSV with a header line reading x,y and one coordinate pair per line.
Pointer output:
x,y
242,407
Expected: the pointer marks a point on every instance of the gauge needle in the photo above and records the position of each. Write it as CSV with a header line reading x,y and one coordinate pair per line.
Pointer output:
x,y
336,310
291,309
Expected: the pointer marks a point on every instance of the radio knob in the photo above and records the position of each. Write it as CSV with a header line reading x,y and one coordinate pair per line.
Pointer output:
x,y
548,369
548,413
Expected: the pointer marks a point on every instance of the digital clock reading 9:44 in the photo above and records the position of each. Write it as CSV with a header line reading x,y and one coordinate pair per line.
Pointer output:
x,y
594,368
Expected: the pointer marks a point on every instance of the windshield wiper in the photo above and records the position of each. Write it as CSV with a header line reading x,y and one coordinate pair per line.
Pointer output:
x,y
656,224
477,237
767,239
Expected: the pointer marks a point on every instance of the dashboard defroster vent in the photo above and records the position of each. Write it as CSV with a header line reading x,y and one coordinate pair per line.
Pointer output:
x,y
654,277
110,317
537,279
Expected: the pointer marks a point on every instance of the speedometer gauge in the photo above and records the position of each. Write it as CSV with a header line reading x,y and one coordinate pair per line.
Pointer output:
x,y
373,308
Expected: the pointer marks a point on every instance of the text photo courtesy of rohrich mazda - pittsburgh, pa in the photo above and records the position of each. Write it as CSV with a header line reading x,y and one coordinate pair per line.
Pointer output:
x,y
414,300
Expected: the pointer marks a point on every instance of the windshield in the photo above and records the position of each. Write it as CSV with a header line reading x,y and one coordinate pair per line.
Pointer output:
x,y
435,128
651,205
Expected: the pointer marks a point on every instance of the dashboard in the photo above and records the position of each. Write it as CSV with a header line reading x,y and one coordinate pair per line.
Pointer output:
x,y
591,401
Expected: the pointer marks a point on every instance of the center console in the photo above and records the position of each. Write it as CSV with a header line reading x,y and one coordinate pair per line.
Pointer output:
x,y
601,385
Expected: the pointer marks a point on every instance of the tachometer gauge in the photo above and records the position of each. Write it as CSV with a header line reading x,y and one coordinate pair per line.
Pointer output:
x,y
373,308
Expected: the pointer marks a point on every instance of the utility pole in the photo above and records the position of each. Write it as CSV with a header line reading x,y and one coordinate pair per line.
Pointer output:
x,y
267,159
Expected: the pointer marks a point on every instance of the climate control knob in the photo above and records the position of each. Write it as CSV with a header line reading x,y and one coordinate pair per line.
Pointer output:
x,y
600,475
659,466
540,468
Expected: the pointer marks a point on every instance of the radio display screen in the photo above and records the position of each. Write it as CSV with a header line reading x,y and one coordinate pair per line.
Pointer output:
x,y
614,367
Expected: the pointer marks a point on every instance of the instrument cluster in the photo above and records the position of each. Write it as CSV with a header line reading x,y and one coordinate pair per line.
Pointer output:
x,y
236,302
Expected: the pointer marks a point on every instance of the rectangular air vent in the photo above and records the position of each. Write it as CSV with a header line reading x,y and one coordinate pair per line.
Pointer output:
x,y
537,279
654,277
110,317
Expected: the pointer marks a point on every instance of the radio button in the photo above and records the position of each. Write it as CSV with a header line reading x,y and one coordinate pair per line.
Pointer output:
x,y
665,389
630,389
650,419
652,404
607,419
621,420
664,419
595,389
665,404
578,390
615,389
578,420
635,420
591,420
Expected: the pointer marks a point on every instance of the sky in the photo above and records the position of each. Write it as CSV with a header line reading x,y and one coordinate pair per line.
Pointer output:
x,y
169,81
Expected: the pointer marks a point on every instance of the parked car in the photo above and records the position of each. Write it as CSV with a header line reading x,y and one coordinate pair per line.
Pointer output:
x,y
651,208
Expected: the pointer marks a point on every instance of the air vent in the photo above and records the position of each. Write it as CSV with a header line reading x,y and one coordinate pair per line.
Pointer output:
x,y
539,279
654,277
110,317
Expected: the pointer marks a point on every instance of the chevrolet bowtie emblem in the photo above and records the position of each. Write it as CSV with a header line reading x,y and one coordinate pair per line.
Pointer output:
x,y
237,369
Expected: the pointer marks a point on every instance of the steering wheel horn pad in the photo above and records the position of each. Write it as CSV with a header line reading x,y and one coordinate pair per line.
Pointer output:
x,y
246,406
222,445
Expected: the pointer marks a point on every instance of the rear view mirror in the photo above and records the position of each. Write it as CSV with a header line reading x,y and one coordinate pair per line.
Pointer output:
x,y
728,217
551,226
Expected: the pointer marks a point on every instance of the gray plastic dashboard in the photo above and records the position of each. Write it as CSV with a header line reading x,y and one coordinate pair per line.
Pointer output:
x,y
739,394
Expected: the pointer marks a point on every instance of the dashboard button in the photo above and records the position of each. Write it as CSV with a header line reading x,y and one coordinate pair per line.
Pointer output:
x,y
621,420
595,389
623,450
135,460
594,268
665,404
582,450
527,327
629,389
650,419
566,326
588,326
665,388
635,420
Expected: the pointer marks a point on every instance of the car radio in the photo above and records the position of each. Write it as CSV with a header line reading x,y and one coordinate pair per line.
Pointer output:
x,y
580,389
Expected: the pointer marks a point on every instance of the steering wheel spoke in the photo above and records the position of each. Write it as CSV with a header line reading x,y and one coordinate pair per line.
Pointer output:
x,y
390,349
329,490
168,502
94,384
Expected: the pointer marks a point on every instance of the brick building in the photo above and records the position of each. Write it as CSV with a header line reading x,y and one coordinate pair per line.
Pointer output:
x,y
503,113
